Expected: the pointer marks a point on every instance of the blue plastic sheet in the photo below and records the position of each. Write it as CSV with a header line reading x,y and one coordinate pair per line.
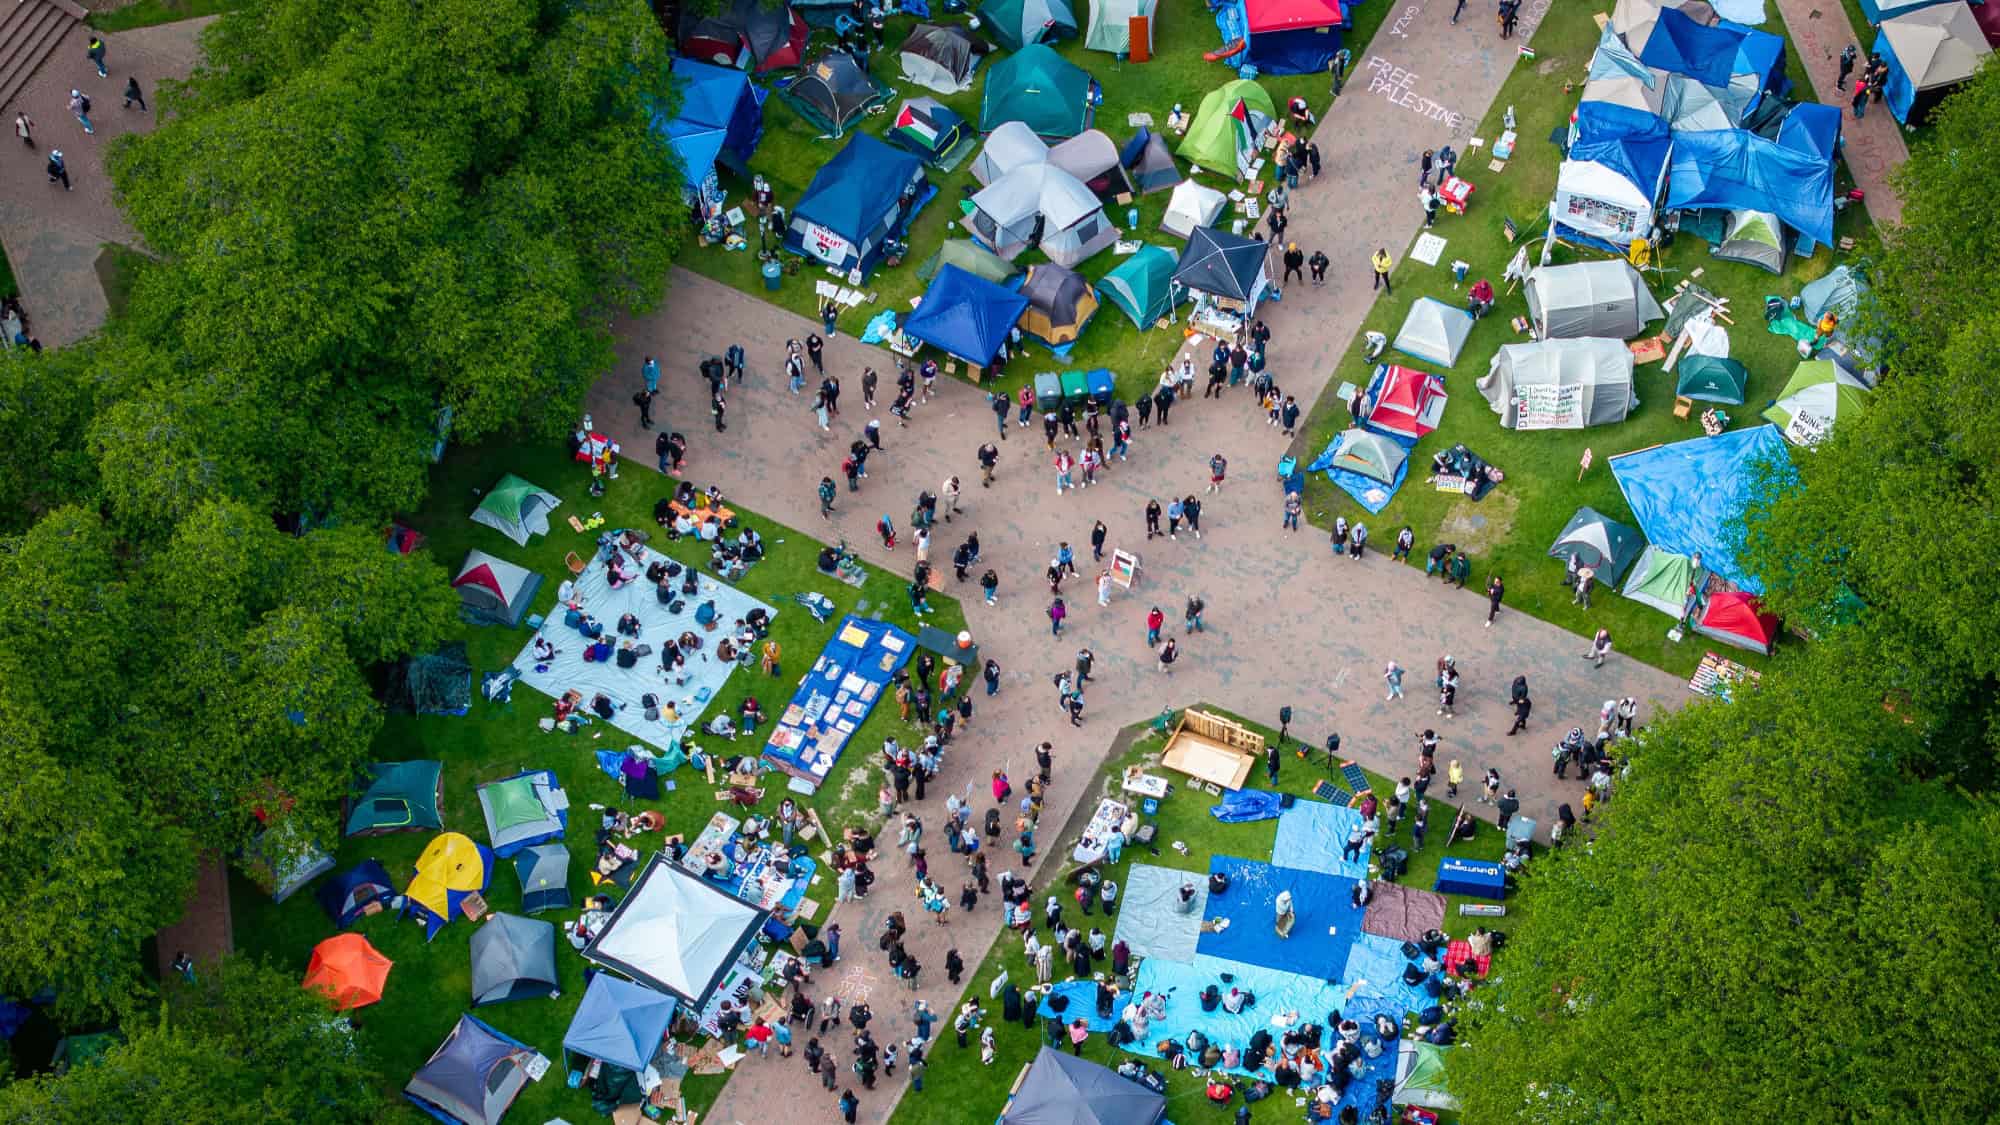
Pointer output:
x,y
1311,835
1240,806
1689,496
1368,492
1739,170
1378,962
1082,997
868,651
1327,921
1714,55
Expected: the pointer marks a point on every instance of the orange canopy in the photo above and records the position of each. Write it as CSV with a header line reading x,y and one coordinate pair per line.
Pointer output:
x,y
348,970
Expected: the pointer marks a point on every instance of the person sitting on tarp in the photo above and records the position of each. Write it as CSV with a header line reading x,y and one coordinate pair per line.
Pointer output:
x,y
603,706
1235,1000
615,572
584,623
597,652
750,545
544,651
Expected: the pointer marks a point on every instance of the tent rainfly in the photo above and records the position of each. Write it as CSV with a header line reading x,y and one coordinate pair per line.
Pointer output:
x,y
1403,401
1191,207
1010,147
400,797
516,509
676,932
513,958
1664,580
1817,395
834,93
745,34
941,57
1041,89
1021,23
544,873
1370,454
1599,298
1060,303
1223,267
1738,618
930,129
856,202
493,589
1227,126
1061,1089
1040,205
1597,541
1142,286
1290,36
347,896
473,1076
1755,238
719,119
451,868
1839,293
1110,26
1149,163
1705,378
348,971
528,808
1420,1078
1560,384
1092,158
1434,331
619,1023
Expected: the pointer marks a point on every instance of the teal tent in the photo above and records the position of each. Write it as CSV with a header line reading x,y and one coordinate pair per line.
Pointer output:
x,y
1040,89
1708,379
1020,23
1142,285
400,797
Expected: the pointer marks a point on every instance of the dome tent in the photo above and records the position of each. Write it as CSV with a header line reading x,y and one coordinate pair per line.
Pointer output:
x,y
1598,298
516,509
1403,402
1092,158
857,201
1192,206
1024,23
1600,542
1738,618
928,128
451,868
969,256
544,873
400,797
473,1076
1817,395
1434,331
1011,146
513,958
1705,378
1224,136
1142,286
525,809
1663,579
1060,303
745,34
1150,164
1560,384
348,971
1040,205
1370,454
347,896
941,57
1040,89
494,589
834,93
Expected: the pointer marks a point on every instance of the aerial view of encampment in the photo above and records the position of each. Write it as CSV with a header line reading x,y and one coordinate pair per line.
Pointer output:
x,y
998,562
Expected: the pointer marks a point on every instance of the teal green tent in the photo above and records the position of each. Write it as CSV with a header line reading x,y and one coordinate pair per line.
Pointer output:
x,y
1661,579
1224,135
1709,379
516,509
1041,90
1142,285
1816,396
1019,23
400,797
971,257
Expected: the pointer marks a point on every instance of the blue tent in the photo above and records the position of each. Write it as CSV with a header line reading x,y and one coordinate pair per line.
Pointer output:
x,y
721,118
1812,128
1689,496
965,315
1731,169
347,895
1630,142
1879,10
619,1022
1715,55
857,201
1610,121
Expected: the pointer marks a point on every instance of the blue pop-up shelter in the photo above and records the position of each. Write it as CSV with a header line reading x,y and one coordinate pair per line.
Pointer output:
x,y
619,1022
1731,169
1286,36
1689,496
858,201
721,119
965,315
1930,52
1727,56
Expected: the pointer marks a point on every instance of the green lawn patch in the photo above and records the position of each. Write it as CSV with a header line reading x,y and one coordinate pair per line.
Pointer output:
x,y
792,151
960,1091
430,985
1509,532
150,13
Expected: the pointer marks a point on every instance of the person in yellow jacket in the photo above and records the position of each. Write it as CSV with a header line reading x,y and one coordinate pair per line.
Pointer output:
x,y
1382,263
1454,774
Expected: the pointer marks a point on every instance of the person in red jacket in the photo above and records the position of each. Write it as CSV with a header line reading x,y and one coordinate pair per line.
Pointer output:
x,y
1155,621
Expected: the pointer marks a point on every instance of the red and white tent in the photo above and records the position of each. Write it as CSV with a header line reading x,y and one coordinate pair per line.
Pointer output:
x,y
1736,618
1403,401
494,588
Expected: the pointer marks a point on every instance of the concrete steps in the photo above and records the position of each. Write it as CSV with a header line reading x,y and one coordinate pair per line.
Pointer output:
x,y
30,30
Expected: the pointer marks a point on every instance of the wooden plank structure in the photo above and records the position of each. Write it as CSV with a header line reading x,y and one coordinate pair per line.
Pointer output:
x,y
1213,749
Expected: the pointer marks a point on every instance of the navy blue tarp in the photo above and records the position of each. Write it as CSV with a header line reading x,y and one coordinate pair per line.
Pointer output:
x,y
965,315
1689,496
1736,170
1714,55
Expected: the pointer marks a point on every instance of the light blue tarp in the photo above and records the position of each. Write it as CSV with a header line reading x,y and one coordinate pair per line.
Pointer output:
x,y
1327,920
619,1022
1150,920
1613,58
1239,806
1379,961
1689,496
1082,1005
1311,835
965,315
1368,492
1731,169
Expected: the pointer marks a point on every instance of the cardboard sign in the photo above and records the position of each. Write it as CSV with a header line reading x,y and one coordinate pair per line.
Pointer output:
x,y
1124,569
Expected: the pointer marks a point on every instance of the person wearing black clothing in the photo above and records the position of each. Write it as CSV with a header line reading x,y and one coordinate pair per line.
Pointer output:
x,y
1508,806
1523,706
1163,401
1152,518
954,966
1295,262
1144,405
1097,537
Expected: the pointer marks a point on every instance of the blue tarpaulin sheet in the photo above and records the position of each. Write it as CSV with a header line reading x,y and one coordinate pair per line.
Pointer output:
x,y
1380,962
1738,170
1689,496
1327,920
851,675
1311,835
1368,492
1240,806
1082,1004
1613,58
1713,55
1306,999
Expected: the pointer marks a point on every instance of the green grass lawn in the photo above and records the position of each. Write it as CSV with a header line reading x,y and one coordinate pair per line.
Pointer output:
x,y
960,1091
429,987
1509,532
792,151
148,13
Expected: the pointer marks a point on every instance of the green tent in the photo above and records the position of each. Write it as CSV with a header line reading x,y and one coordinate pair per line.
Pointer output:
x,y
971,257
1041,90
1420,1078
1661,579
1020,23
1815,397
1224,135
400,797
1142,285
1709,379
516,509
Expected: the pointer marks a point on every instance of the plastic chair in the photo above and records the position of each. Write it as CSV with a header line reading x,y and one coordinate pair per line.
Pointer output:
x,y
575,563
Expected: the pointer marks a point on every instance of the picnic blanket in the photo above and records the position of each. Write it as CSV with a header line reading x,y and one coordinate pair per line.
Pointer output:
x,y
1080,1003
1458,952
1403,913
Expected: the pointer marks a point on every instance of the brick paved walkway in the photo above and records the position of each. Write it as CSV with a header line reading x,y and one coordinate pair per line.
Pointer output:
x,y
1874,144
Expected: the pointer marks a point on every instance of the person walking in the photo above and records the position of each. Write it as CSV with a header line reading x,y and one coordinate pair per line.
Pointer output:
x,y
1295,506
58,170
1155,621
1218,468
1600,647
1191,622
24,128
989,458
1317,264
95,52
1104,587
1860,99
133,94
1057,611
827,492
848,1102
992,676
1523,707
1495,590
1381,263
79,106
989,584
1169,652
644,401
1393,676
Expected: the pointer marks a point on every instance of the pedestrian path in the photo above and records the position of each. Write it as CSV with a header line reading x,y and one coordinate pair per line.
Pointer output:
x,y
1874,145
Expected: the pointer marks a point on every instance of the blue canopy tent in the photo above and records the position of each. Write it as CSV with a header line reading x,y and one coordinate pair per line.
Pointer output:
x,y
721,118
965,315
1689,496
1608,189
619,1022
858,201
1930,52
1812,128
1732,169
1723,56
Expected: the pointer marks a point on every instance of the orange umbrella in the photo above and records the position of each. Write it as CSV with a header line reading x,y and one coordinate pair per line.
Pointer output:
x,y
348,971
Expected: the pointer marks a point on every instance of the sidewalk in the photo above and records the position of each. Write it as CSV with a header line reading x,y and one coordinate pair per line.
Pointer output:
x,y
1874,144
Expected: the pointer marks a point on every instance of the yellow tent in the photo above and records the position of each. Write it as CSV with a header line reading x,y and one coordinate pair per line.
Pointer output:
x,y
451,868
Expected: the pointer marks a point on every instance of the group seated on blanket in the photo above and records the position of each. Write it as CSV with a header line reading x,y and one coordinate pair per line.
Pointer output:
x,y
1458,461
690,511
1307,1055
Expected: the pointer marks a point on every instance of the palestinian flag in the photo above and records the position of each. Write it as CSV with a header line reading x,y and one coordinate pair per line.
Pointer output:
x,y
1245,128
918,127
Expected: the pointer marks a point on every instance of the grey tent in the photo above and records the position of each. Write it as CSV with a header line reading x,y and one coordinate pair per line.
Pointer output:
x,y
941,57
1560,384
1091,157
1150,162
544,873
494,590
1223,266
1601,298
1754,238
1040,205
1193,205
1060,1089
1839,293
513,958
1110,28
1011,146
1370,454
1597,541
1434,331
474,1075
971,257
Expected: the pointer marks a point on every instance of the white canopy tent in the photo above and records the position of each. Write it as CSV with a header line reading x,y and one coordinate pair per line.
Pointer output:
x,y
1600,202
676,932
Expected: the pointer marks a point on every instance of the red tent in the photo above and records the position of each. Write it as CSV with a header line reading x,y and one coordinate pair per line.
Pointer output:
x,y
1290,15
1403,401
1737,618
348,971
1988,15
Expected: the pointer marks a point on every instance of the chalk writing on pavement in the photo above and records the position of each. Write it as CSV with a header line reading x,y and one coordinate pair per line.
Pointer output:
x,y
1398,87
